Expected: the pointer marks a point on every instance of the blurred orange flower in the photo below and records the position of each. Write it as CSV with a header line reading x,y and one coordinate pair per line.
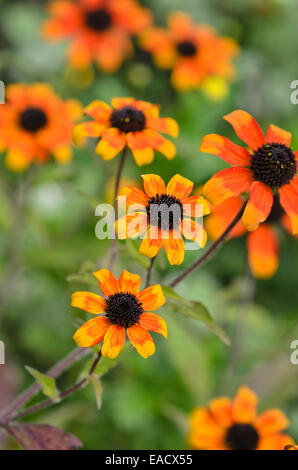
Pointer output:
x,y
269,167
99,30
36,123
235,425
194,52
125,308
262,244
157,227
129,122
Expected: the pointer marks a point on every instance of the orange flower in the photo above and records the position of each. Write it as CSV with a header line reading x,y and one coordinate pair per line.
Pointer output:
x,y
99,30
125,308
129,122
235,425
269,167
194,52
262,244
34,124
161,215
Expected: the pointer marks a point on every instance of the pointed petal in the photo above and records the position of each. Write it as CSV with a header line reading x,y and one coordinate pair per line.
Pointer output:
x,y
289,201
278,136
151,244
262,245
100,111
87,129
174,249
134,196
225,149
271,421
113,341
164,125
141,149
89,302
153,322
221,410
122,102
205,432
160,143
129,282
244,405
194,231
275,442
92,332
247,128
227,183
258,207
190,203
152,298
141,340
179,187
153,185
111,143
107,281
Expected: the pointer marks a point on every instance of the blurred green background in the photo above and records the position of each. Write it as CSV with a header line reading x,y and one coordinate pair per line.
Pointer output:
x,y
47,233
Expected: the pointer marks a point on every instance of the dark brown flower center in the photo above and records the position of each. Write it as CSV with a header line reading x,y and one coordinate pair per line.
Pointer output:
x,y
128,119
123,309
98,20
187,48
242,437
165,212
274,165
33,119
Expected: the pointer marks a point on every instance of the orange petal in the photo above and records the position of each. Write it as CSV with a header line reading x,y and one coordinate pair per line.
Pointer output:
x,y
244,405
153,322
89,302
134,196
141,149
164,125
151,244
271,422
205,433
152,297
289,201
100,111
111,143
174,249
275,442
113,341
227,183
129,282
258,207
131,226
153,185
141,340
247,128
159,143
225,149
122,102
191,203
87,129
278,136
92,332
194,231
179,187
221,410
107,281
262,248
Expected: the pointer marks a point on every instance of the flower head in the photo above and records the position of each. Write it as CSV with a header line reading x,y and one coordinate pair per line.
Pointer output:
x,y
162,215
262,244
267,168
99,30
194,52
235,425
124,308
36,123
129,122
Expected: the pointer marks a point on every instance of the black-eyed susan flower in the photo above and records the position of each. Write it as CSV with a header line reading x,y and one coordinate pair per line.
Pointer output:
x,y
235,425
262,244
194,52
36,123
267,168
123,309
128,122
162,215
98,30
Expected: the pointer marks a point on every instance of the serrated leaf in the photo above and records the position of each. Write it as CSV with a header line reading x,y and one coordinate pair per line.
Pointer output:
x,y
42,437
48,384
97,388
193,309
134,252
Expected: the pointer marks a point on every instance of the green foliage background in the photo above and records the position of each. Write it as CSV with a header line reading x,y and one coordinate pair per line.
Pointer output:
x,y
146,403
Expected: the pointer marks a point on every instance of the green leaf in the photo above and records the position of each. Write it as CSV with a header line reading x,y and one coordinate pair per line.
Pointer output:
x,y
97,388
193,309
134,252
48,384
